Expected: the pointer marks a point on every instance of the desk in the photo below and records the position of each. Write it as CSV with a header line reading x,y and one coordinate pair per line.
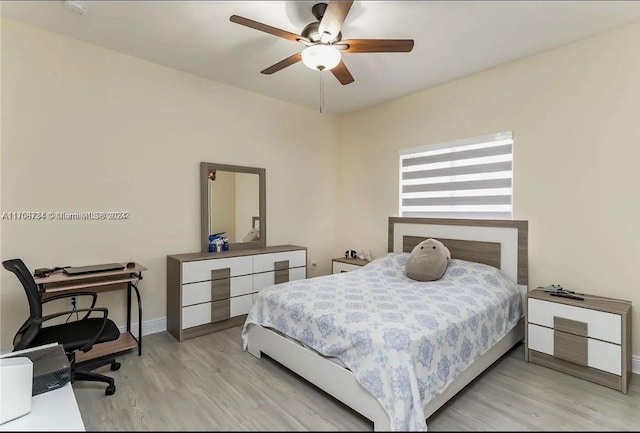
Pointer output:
x,y
53,410
126,278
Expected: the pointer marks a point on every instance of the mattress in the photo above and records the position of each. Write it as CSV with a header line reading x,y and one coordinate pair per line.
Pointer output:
x,y
404,340
300,343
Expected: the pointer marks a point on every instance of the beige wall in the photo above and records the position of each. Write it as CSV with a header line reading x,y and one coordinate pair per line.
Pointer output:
x,y
88,129
222,204
84,128
575,115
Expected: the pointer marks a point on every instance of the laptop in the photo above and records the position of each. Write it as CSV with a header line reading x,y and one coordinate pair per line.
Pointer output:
x,y
77,270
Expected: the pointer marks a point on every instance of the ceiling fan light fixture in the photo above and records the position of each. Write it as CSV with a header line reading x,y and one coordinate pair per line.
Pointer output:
x,y
76,6
321,57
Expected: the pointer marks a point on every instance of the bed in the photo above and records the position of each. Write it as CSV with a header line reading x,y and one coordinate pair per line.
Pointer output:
x,y
393,349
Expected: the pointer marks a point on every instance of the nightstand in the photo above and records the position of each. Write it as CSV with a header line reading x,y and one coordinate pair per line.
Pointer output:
x,y
590,339
342,264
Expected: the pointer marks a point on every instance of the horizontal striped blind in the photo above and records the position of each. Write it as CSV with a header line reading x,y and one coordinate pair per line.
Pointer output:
x,y
469,178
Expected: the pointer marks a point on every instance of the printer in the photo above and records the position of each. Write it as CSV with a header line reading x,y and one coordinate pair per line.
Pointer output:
x,y
51,368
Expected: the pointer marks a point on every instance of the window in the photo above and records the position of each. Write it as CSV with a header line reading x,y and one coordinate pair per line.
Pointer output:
x,y
469,178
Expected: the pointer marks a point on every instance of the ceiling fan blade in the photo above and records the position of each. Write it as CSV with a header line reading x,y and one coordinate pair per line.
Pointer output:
x,y
283,64
377,45
333,17
342,74
266,28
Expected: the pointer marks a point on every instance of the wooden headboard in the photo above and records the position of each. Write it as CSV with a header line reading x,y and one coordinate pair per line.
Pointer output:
x,y
499,243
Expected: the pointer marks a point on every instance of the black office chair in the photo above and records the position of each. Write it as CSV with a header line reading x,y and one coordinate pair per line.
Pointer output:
x,y
76,335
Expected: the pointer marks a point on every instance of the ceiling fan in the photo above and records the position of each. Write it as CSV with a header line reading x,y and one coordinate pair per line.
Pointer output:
x,y
323,41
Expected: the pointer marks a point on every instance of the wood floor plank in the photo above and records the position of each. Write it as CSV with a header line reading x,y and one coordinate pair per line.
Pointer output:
x,y
209,383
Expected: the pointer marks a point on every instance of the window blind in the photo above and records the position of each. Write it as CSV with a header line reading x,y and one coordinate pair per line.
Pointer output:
x,y
469,178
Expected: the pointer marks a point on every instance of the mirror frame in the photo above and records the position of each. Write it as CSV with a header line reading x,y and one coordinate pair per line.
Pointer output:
x,y
204,204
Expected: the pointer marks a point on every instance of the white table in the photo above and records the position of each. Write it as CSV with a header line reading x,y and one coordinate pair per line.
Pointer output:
x,y
52,411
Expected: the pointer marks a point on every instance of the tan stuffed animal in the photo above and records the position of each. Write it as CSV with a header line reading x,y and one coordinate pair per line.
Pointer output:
x,y
428,261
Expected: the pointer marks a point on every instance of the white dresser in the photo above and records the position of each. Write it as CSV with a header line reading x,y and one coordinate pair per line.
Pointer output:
x,y
208,292
588,338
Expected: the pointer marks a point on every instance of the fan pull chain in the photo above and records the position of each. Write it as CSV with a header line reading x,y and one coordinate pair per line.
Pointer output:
x,y
321,91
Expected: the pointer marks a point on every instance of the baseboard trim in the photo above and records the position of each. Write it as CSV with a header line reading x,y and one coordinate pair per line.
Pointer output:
x,y
149,327
635,364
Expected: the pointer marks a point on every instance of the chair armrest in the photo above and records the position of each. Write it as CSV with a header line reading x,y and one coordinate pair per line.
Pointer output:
x,y
89,345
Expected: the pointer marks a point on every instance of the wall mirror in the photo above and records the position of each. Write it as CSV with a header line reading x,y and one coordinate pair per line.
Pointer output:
x,y
233,201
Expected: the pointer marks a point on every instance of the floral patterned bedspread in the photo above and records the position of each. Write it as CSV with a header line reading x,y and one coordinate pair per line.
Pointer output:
x,y
404,340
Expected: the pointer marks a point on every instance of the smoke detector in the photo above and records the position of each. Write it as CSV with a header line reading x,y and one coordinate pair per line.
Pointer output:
x,y
75,6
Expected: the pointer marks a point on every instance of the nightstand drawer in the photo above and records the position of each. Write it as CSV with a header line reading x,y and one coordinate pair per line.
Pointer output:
x,y
572,348
339,267
599,325
597,354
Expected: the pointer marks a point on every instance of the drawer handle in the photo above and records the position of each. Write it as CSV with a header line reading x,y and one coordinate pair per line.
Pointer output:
x,y
571,326
282,264
219,274
281,276
220,289
220,310
571,348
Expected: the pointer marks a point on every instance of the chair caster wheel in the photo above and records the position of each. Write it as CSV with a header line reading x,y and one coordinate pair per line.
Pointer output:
x,y
111,389
115,366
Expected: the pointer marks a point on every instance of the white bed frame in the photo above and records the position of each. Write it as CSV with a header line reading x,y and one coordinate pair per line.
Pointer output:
x,y
340,382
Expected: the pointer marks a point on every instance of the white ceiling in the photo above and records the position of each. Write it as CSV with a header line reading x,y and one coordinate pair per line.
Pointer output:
x,y
452,39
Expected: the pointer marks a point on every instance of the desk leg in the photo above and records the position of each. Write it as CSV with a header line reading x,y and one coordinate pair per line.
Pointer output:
x,y
129,307
139,318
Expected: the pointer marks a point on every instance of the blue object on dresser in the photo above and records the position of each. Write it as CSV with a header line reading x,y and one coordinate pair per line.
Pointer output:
x,y
212,242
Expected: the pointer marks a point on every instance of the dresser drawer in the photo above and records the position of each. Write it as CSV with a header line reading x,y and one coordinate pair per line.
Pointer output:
x,y
241,305
203,270
298,273
196,293
241,285
262,281
274,261
215,290
599,354
196,315
600,325
266,279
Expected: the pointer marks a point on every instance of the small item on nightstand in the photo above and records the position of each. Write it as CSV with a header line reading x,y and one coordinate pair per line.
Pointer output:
x,y
566,295
555,288
552,288
225,244
350,254
558,290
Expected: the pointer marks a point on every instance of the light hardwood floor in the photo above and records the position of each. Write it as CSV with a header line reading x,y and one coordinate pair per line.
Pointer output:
x,y
209,383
